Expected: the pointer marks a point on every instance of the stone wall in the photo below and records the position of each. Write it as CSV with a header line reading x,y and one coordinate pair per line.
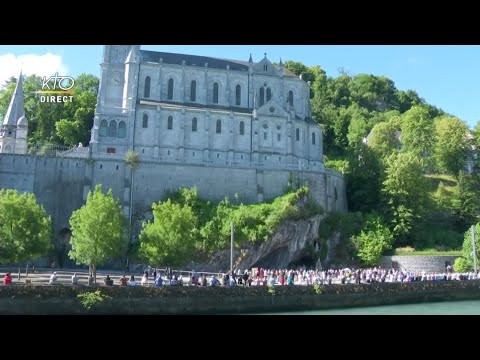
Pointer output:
x,y
58,299
418,263
62,184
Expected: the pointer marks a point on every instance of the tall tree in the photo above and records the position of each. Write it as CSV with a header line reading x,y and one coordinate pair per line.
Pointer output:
x,y
467,249
25,227
384,139
169,239
451,144
408,99
98,230
357,129
364,179
417,133
373,240
465,201
404,191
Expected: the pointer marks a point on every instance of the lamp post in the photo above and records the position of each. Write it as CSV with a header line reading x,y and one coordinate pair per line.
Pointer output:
x,y
474,249
231,248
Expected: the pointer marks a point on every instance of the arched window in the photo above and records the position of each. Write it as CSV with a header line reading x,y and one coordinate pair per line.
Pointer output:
x,y
242,128
194,124
145,121
170,89
269,94
219,126
297,134
290,98
112,130
146,90
215,93
103,128
122,129
313,138
238,95
193,91
170,123
262,96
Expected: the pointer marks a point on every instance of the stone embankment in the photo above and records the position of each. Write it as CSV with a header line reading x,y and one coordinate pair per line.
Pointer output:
x,y
63,299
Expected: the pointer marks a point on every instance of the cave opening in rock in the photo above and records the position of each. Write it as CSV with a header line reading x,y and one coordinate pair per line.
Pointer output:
x,y
306,261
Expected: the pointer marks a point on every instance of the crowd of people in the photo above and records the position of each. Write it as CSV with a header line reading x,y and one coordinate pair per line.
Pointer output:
x,y
302,276
271,277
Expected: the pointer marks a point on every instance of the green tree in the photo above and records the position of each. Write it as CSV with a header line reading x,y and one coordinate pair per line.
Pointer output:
x,y
373,92
373,240
384,139
464,201
364,180
408,99
451,145
417,133
98,230
169,239
357,130
404,191
25,227
76,117
11,79
5,97
461,265
467,248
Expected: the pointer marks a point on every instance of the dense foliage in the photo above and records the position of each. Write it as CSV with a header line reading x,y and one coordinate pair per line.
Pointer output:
x,y
185,223
403,159
25,228
466,263
98,230
56,123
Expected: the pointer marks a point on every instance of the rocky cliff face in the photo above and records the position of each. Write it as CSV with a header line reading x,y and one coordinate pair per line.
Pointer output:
x,y
285,247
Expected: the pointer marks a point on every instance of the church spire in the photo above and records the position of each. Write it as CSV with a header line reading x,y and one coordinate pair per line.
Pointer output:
x,y
15,109
250,60
130,57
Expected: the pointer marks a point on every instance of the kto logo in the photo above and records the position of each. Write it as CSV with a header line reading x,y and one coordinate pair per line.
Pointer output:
x,y
50,85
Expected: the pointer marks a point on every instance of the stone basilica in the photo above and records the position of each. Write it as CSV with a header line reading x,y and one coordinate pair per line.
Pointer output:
x,y
202,109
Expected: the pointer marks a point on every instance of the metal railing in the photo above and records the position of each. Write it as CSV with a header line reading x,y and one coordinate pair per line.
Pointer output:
x,y
58,151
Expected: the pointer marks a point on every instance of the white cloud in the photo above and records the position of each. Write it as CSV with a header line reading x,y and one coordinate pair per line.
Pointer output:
x,y
41,65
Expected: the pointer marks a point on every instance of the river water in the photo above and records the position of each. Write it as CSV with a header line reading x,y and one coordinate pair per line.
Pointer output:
x,y
440,308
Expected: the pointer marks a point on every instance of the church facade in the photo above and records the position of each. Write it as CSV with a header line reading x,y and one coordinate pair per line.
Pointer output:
x,y
204,110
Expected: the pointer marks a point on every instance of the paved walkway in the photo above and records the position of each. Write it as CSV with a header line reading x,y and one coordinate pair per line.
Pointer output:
x,y
64,276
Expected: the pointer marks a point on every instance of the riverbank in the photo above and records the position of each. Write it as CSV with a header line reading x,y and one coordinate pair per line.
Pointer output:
x,y
63,299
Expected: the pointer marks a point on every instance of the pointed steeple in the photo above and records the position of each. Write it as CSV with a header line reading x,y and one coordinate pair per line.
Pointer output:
x,y
281,63
15,109
130,57
250,60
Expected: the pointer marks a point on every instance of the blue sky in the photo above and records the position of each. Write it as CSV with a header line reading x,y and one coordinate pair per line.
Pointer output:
x,y
445,76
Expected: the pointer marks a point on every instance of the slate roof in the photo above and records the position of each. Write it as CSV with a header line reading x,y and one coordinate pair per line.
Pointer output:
x,y
196,60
